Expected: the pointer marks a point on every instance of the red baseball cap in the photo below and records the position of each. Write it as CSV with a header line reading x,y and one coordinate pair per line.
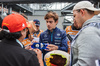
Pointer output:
x,y
15,23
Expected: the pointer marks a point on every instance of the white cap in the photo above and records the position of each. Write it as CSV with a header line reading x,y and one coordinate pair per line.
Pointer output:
x,y
87,5
58,52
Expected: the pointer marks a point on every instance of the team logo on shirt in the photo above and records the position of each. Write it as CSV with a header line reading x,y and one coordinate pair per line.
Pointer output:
x,y
58,34
45,35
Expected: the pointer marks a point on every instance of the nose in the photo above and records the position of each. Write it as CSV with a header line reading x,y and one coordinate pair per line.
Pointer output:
x,y
48,23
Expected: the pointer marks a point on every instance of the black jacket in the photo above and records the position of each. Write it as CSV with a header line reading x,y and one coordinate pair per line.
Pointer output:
x,y
1,36
12,54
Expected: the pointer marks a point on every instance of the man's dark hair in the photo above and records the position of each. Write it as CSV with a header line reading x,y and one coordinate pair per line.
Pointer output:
x,y
9,35
27,34
24,16
89,11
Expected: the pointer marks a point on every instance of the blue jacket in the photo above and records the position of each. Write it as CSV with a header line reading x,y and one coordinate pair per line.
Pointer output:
x,y
57,37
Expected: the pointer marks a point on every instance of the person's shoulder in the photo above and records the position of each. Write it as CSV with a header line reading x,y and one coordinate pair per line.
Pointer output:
x,y
28,53
41,30
25,51
68,27
44,32
60,30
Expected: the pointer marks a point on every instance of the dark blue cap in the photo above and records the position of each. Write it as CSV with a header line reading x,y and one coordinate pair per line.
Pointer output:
x,y
37,22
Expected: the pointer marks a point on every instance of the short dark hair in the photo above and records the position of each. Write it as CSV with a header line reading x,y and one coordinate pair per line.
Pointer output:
x,y
78,10
9,35
24,16
89,11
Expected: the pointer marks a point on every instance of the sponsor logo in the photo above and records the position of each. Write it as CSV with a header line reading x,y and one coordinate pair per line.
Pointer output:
x,y
59,38
45,35
57,43
58,34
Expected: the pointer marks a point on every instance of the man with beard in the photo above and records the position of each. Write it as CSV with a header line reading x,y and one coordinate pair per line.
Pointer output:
x,y
86,44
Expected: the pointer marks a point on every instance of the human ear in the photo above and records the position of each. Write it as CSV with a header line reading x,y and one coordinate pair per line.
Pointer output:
x,y
22,32
82,11
56,22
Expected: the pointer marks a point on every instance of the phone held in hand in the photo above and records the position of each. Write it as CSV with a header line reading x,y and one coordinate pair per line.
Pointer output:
x,y
39,45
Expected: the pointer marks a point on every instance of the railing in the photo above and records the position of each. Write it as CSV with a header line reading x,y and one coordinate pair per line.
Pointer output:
x,y
25,6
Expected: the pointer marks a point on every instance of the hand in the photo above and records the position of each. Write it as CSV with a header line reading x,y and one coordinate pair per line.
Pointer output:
x,y
51,47
39,56
30,37
38,52
28,47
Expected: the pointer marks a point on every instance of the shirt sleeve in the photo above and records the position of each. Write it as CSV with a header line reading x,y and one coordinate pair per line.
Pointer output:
x,y
63,45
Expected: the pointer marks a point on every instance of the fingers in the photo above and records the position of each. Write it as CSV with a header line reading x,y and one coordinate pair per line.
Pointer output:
x,y
51,47
28,47
37,50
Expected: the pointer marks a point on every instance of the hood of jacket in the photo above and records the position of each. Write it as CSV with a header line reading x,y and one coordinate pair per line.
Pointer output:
x,y
95,18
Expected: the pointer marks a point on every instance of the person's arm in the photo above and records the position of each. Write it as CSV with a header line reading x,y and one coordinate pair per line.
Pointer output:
x,y
63,45
33,61
51,47
36,58
39,56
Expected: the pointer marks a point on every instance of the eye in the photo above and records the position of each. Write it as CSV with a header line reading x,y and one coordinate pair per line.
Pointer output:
x,y
46,21
73,16
50,21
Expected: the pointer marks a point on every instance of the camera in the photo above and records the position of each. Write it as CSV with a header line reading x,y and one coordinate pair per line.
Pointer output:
x,y
39,45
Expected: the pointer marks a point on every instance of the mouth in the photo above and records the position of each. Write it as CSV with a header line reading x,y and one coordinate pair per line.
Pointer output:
x,y
48,26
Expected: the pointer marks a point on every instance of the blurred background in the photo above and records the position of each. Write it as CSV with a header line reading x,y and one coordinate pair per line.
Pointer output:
x,y
36,9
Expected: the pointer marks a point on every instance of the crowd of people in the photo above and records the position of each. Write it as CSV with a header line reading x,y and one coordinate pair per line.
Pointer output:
x,y
77,45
